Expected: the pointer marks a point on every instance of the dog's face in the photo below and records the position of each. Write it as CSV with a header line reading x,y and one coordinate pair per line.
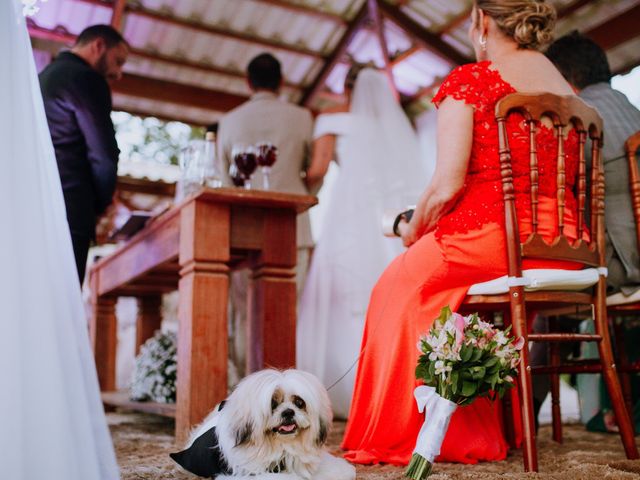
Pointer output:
x,y
274,417
289,416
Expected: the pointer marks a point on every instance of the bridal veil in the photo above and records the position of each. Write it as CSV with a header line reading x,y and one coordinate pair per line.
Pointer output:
x,y
52,424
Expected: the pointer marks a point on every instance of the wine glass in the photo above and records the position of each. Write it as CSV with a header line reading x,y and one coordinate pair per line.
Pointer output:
x,y
244,157
267,156
236,176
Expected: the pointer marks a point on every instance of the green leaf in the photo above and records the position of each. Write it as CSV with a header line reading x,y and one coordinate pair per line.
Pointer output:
x,y
469,388
465,353
445,313
454,381
421,371
478,372
491,361
477,353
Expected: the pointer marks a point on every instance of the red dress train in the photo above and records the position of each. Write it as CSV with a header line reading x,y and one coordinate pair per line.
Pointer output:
x,y
467,247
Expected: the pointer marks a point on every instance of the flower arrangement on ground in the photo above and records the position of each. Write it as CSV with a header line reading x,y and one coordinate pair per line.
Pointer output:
x,y
463,358
154,376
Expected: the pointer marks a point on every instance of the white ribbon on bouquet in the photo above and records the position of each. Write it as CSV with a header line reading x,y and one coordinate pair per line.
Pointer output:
x,y
438,413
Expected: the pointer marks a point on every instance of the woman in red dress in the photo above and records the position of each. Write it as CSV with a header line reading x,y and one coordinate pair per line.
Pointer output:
x,y
456,237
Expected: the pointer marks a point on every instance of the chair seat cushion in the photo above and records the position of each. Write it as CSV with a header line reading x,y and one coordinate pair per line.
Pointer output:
x,y
540,279
622,299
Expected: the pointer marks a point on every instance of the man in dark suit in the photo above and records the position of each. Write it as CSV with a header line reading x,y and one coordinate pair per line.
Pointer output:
x,y
77,102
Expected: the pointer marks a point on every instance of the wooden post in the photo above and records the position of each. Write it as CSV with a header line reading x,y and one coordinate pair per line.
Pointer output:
x,y
149,318
378,23
202,312
272,300
118,12
104,339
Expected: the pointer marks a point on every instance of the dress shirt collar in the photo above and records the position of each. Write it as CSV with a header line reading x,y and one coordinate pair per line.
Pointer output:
x,y
264,95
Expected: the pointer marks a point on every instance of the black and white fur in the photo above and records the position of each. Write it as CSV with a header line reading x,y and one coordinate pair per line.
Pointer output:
x,y
274,426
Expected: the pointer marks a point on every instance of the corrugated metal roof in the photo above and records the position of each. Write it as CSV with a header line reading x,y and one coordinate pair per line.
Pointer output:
x,y
208,43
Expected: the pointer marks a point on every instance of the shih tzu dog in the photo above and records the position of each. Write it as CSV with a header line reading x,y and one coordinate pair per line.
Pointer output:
x,y
273,426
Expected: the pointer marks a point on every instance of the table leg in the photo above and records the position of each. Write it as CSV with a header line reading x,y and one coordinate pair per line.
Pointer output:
x,y
202,314
104,339
149,318
272,296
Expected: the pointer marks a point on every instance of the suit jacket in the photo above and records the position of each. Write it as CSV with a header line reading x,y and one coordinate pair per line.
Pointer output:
x,y
266,118
77,101
621,119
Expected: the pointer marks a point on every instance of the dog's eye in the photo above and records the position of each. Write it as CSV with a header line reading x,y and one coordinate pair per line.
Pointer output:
x,y
298,402
274,403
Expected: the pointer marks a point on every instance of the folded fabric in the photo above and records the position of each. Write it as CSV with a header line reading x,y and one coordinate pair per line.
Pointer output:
x,y
539,279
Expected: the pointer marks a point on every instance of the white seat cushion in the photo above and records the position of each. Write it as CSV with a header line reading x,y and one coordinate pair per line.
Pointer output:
x,y
622,299
541,279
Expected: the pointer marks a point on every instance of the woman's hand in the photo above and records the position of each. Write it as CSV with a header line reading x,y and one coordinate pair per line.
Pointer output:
x,y
408,233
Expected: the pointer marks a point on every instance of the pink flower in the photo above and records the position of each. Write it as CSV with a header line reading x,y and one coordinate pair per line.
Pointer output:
x,y
459,323
519,343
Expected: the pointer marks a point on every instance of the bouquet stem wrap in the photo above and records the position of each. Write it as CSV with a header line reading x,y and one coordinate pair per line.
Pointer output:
x,y
438,413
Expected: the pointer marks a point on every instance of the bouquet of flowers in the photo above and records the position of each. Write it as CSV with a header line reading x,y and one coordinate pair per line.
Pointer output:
x,y
154,376
462,358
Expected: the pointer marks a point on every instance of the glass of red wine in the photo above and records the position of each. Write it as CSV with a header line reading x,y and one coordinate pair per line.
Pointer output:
x,y
245,160
236,176
267,155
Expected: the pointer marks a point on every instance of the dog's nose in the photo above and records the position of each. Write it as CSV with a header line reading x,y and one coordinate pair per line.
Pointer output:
x,y
288,413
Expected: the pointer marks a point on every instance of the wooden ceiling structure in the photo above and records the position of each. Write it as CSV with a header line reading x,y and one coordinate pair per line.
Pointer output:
x,y
188,56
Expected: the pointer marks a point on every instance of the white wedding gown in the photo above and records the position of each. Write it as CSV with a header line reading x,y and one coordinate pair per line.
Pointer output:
x,y
52,425
380,168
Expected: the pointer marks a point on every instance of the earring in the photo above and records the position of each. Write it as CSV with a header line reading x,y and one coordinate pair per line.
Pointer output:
x,y
483,42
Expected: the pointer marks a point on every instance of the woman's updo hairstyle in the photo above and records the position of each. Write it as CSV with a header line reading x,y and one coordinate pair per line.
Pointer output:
x,y
529,22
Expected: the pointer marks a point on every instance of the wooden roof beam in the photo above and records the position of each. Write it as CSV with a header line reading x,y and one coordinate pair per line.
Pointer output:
x,y
305,10
181,94
336,56
118,12
62,36
378,23
422,36
617,30
572,7
402,56
141,11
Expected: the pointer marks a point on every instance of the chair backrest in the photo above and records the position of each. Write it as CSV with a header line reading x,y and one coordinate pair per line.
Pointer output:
x,y
631,146
565,112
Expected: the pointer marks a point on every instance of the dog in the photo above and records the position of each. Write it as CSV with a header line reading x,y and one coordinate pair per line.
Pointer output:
x,y
273,426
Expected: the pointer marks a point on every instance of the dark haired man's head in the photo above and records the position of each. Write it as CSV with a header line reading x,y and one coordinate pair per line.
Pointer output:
x,y
580,60
104,48
264,73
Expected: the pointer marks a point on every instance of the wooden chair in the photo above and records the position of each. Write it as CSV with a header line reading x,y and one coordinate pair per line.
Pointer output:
x,y
564,112
618,304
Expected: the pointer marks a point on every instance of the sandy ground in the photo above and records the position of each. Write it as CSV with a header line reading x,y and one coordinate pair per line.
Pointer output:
x,y
143,443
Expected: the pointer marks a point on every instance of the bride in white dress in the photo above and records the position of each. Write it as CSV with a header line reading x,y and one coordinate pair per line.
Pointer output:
x,y
52,424
380,167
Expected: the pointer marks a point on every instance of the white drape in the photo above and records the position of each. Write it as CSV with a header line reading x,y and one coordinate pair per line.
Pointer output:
x,y
52,423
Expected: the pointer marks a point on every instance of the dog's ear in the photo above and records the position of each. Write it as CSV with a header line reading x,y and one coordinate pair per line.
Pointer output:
x,y
323,432
243,434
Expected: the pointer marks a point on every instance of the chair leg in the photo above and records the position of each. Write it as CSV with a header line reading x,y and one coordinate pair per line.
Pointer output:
x,y
556,415
519,321
609,374
507,400
623,362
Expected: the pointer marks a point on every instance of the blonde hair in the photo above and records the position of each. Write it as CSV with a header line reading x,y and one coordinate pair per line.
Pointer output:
x,y
529,22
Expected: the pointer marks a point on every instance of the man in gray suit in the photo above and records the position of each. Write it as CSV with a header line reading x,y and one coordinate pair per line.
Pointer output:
x,y
585,66
264,117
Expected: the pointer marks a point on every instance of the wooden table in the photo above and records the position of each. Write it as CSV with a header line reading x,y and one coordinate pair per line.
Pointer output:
x,y
192,247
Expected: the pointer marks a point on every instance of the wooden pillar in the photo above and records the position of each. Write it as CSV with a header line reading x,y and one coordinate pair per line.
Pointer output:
x,y
149,318
104,339
202,312
272,300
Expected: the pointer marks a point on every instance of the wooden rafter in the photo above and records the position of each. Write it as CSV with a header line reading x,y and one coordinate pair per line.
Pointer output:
x,y
422,36
60,35
118,12
617,30
426,90
627,67
187,95
378,25
309,11
455,22
402,56
336,56
141,11
572,7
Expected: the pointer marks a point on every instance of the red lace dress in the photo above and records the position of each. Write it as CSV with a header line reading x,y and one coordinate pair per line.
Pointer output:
x,y
467,247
